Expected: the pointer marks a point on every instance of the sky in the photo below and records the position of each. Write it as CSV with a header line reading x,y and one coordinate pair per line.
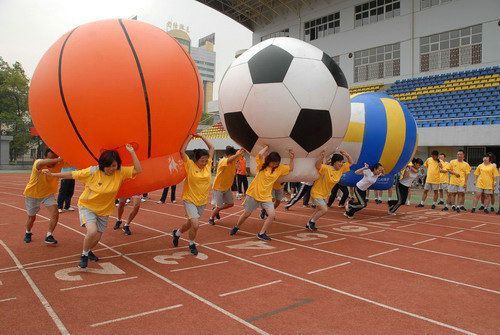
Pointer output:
x,y
29,27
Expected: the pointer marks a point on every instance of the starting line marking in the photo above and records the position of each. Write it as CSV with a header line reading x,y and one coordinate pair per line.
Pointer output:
x,y
408,225
99,283
382,253
8,299
136,315
338,239
373,232
424,241
250,288
329,267
460,231
274,252
198,266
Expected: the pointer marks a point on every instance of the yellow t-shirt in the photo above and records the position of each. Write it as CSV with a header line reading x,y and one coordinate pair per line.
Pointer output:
x,y
225,175
197,183
443,176
328,177
487,175
258,162
433,174
40,185
463,168
262,185
100,189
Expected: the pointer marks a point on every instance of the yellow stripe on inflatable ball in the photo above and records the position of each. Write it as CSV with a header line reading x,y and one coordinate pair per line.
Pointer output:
x,y
396,133
355,132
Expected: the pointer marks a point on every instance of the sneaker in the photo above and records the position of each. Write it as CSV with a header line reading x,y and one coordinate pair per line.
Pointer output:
x,y
59,210
347,216
160,202
70,209
340,205
441,202
192,248
433,206
175,238
462,208
117,225
84,260
93,257
27,237
287,208
211,221
473,210
486,211
311,226
408,203
457,210
305,205
419,206
127,201
234,230
498,213
144,199
174,202
263,237
126,230
453,207
263,214
50,240
217,216
313,206
390,213
481,208
492,209
445,209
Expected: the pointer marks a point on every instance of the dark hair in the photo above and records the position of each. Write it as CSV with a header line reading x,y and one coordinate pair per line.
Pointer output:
x,y
417,161
198,153
336,158
460,150
376,166
443,154
434,153
230,151
272,157
492,157
48,151
108,157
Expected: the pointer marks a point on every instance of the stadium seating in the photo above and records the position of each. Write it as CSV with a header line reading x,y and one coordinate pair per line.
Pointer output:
x,y
365,88
215,131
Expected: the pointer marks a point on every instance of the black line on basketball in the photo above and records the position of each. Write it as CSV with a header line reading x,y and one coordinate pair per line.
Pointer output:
x,y
61,91
143,82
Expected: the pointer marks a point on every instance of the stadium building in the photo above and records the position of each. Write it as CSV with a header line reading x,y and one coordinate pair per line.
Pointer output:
x,y
441,57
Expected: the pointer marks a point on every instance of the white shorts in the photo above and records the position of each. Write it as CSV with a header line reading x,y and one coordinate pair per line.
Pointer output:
x,y
220,198
33,204
193,211
86,216
431,187
485,191
456,189
278,194
319,201
443,187
250,204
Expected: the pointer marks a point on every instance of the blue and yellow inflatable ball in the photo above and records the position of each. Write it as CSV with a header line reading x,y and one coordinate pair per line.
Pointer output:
x,y
381,130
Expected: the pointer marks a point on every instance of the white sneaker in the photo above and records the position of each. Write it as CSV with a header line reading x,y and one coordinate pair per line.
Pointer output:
x,y
160,202
174,202
59,210
408,203
143,199
70,209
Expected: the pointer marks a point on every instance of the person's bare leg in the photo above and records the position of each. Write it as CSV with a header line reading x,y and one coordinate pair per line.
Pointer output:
x,y
92,237
243,218
193,230
121,209
320,211
29,222
137,205
217,210
54,217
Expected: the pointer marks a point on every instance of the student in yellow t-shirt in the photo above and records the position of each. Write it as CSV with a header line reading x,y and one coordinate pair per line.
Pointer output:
x,y
444,179
434,168
259,192
40,190
195,190
329,175
485,178
97,201
459,171
222,196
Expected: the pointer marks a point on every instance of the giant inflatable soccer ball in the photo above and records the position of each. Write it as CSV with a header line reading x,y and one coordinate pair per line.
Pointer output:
x,y
287,94
112,82
383,130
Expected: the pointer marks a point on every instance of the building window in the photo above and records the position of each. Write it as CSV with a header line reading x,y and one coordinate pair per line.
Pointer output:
x,y
451,49
424,4
322,26
280,33
374,11
376,63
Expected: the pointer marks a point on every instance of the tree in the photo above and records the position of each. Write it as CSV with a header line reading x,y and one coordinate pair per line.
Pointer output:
x,y
14,115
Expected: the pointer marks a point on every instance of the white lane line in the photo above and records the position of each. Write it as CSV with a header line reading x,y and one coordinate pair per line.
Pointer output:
x,y
136,315
424,241
480,225
8,299
407,225
198,266
249,288
36,290
274,252
379,224
329,267
460,231
99,283
63,263
383,253
373,232
338,239
351,295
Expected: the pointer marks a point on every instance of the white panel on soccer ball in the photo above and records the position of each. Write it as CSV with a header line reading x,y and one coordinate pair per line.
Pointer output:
x,y
341,112
310,83
352,148
234,88
298,48
329,148
245,57
280,145
271,110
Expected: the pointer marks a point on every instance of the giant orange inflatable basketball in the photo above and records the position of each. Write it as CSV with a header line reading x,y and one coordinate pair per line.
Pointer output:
x,y
112,82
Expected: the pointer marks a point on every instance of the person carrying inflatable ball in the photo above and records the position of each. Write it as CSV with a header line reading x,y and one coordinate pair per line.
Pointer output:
x,y
97,201
370,176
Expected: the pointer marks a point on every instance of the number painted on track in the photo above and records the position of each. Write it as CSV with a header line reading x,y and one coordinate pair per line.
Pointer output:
x,y
302,237
414,217
106,269
351,229
434,213
172,259
252,245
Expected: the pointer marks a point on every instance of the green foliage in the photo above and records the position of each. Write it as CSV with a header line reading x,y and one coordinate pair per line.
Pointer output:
x,y
14,115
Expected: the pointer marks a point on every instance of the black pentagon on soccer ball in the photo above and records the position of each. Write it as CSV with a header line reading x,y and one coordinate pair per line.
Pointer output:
x,y
335,70
239,130
269,65
312,129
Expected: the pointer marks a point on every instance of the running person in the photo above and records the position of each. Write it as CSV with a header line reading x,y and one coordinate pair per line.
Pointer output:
x,y
333,195
259,192
222,196
433,165
304,192
459,171
40,190
329,175
370,177
196,189
96,203
485,180
403,185
136,203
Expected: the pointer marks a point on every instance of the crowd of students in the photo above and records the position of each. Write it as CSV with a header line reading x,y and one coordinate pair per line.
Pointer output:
x,y
265,191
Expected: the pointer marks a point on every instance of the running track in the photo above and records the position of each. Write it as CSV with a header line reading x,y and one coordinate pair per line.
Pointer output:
x,y
420,272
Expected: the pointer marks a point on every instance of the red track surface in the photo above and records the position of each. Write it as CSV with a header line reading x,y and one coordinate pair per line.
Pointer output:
x,y
420,272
